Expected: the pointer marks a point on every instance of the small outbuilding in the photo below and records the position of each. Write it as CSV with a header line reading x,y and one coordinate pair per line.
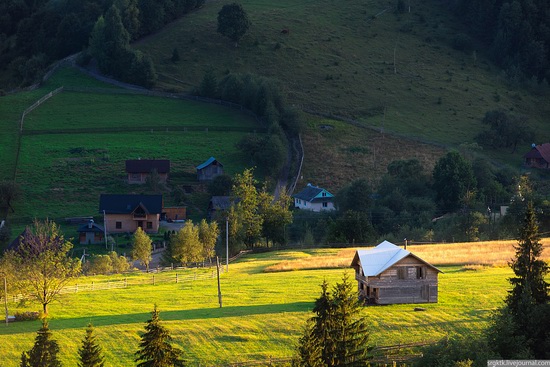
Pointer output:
x,y
210,169
139,169
389,274
538,156
91,233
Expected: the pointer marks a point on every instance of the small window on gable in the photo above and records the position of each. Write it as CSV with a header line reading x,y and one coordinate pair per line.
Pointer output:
x,y
402,272
324,194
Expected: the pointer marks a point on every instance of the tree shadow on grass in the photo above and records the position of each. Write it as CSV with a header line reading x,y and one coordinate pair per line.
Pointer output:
x,y
141,318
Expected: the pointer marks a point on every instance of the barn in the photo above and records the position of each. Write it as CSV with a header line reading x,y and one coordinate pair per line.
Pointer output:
x,y
209,169
389,274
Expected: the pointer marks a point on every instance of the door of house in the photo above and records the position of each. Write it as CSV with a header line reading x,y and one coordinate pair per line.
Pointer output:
x,y
140,224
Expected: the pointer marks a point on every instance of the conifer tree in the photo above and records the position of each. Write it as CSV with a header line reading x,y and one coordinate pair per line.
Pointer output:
x,y
529,268
44,352
90,353
155,349
338,335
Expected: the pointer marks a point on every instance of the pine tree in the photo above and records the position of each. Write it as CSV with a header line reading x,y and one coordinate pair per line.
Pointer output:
x,y
529,285
337,335
155,349
90,352
44,352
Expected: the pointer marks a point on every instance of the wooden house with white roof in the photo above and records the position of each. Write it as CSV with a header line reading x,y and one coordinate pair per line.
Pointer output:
x,y
389,274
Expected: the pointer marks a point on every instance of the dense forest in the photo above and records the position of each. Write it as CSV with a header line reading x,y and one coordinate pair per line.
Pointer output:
x,y
517,33
33,33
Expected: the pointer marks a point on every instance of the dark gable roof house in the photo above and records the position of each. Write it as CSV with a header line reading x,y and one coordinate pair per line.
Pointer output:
x,y
91,233
209,169
139,169
388,274
538,156
314,198
125,213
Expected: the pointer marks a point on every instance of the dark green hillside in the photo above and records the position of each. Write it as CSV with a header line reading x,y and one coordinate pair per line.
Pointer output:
x,y
338,58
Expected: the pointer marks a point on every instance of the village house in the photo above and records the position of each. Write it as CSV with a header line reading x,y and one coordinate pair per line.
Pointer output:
x,y
538,156
314,198
389,274
139,169
91,233
210,169
217,205
125,213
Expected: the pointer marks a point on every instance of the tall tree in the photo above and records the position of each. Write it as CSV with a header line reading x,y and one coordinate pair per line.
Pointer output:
x,y
233,22
142,246
129,13
43,261
246,198
155,348
276,216
186,246
338,334
90,354
528,267
44,352
208,235
453,177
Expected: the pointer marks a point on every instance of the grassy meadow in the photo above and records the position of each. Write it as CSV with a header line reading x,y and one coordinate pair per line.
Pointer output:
x,y
394,72
262,316
74,146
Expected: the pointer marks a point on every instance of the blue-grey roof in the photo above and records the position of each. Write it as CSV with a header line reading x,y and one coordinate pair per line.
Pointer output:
x,y
208,162
126,204
91,227
313,193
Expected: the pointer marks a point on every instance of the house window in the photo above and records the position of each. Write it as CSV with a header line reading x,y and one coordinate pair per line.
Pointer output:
x,y
402,272
149,225
118,225
324,194
420,272
298,201
325,204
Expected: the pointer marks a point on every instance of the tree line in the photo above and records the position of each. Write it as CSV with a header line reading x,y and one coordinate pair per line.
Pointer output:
x,y
459,200
516,31
35,33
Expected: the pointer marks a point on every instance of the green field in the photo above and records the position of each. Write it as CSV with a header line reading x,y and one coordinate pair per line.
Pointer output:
x,y
263,313
338,58
74,146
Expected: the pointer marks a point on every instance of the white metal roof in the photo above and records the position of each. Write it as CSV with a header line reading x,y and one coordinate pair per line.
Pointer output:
x,y
380,258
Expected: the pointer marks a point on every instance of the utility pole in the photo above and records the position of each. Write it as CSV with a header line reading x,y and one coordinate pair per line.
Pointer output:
x,y
227,244
6,299
104,230
219,288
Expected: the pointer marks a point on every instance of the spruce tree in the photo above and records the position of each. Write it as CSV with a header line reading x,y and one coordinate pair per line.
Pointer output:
x,y
528,285
90,353
337,335
44,352
155,349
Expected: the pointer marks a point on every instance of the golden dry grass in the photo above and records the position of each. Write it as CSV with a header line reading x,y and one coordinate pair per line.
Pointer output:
x,y
486,253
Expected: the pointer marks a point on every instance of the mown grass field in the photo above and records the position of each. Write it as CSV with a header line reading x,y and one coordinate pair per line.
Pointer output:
x,y
70,153
339,58
263,313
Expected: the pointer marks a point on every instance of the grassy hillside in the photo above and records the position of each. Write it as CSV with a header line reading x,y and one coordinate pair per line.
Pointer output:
x,y
74,146
263,313
339,58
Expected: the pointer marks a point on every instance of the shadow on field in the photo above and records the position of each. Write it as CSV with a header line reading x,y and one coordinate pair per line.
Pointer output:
x,y
196,314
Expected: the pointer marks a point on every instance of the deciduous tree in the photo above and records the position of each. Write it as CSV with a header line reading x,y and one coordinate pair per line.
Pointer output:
x,y
142,248
155,348
186,246
233,22
208,235
247,200
43,261
453,177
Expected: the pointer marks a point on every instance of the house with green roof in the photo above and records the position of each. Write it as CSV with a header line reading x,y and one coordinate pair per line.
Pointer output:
x,y
314,198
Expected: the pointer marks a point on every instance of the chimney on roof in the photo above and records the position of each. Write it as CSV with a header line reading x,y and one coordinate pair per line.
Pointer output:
x,y
90,223
309,184
405,244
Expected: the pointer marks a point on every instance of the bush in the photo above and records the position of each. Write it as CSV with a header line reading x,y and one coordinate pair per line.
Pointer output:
x,y
27,316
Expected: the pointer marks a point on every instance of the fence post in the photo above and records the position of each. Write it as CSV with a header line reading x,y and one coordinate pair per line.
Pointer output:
x,y
176,278
153,280
76,288
92,285
125,283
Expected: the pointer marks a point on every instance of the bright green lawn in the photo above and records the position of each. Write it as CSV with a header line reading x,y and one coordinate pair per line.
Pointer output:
x,y
56,183
263,313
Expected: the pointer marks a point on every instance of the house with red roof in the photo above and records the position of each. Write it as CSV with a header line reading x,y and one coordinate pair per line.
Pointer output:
x,y
538,156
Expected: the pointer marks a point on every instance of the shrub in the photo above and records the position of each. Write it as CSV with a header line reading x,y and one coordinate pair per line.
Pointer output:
x,y
27,316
